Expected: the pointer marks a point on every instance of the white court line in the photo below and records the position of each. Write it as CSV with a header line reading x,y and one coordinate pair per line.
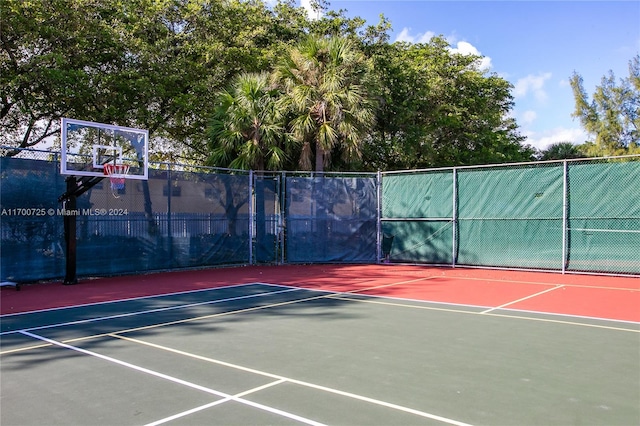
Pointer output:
x,y
373,300
212,404
175,380
524,298
164,324
130,299
344,296
358,290
298,382
149,311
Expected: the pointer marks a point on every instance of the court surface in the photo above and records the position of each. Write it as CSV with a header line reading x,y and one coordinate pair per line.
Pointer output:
x,y
322,344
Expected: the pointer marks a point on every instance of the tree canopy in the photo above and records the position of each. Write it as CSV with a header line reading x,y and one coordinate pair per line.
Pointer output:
x,y
174,67
329,108
612,116
247,128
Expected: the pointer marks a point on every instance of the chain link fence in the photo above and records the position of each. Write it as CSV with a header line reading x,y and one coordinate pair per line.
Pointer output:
x,y
175,219
331,218
569,216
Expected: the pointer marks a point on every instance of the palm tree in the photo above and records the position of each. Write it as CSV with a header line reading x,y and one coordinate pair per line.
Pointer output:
x,y
247,130
329,107
561,151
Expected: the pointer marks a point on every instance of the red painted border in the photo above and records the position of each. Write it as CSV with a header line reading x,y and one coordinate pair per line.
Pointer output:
x,y
616,298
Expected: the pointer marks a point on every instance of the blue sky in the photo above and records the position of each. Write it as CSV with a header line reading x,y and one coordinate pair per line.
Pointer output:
x,y
535,45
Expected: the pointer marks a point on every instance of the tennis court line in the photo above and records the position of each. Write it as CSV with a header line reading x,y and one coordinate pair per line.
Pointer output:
x,y
106,302
175,379
498,280
212,404
356,290
148,327
343,296
523,298
295,381
337,295
94,336
149,311
469,312
219,314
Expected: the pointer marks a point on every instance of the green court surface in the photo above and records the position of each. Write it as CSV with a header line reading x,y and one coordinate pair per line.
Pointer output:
x,y
261,354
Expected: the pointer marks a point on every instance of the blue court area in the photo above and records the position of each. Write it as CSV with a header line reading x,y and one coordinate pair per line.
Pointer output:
x,y
258,354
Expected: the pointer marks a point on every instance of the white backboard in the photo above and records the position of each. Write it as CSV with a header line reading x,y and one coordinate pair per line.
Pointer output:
x,y
88,146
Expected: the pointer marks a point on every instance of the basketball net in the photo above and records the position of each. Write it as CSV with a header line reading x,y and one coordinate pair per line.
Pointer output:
x,y
117,175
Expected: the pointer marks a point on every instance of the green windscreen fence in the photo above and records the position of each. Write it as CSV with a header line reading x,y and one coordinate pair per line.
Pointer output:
x,y
604,217
417,217
570,216
581,216
32,238
269,224
511,217
174,220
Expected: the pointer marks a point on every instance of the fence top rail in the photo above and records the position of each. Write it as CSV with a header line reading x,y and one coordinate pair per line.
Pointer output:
x,y
193,167
313,174
162,165
4,148
177,166
527,163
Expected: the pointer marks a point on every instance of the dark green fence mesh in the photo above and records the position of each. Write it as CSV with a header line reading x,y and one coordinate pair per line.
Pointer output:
x,y
604,216
511,217
331,219
32,241
417,217
569,216
176,219
268,220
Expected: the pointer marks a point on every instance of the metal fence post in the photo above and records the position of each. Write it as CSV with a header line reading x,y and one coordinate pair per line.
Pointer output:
x,y
282,219
379,217
454,218
565,230
251,218
169,218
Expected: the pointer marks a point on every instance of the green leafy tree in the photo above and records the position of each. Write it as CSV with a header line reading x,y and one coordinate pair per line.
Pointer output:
x,y
438,108
353,100
182,53
247,132
56,58
330,109
247,129
139,63
612,116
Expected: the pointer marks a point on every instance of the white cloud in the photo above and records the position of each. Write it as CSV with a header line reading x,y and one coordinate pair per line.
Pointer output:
x,y
466,48
543,140
312,14
418,38
532,84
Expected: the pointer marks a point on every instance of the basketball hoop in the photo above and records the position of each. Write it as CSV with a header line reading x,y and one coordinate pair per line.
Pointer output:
x,y
117,175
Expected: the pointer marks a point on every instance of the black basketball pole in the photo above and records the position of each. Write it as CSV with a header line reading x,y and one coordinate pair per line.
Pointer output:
x,y
69,207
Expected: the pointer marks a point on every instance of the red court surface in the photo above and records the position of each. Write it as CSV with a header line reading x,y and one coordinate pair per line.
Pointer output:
x,y
606,297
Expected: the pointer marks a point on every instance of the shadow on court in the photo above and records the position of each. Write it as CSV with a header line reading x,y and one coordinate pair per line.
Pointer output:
x,y
266,354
